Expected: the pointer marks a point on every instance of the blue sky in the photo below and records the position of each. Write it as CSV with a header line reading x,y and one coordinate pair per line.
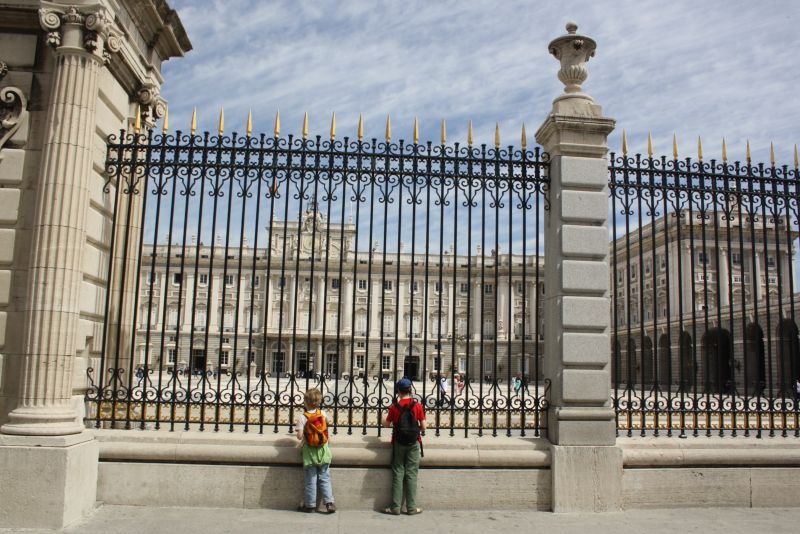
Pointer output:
x,y
712,68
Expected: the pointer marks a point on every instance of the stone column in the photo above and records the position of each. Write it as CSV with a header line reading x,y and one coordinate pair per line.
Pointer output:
x,y
59,225
586,466
722,272
477,295
756,279
346,310
320,287
451,303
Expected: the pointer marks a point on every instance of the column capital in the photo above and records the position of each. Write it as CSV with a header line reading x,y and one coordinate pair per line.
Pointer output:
x,y
90,28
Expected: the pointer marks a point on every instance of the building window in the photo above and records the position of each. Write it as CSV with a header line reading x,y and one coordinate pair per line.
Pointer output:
x,y
150,278
360,344
412,288
256,281
771,262
437,287
177,279
172,356
437,363
360,361
278,362
387,285
520,288
282,282
202,279
736,258
387,346
228,279
702,258
251,358
386,362
464,288
388,323
226,341
662,261
223,357
647,268
362,285
334,283
488,289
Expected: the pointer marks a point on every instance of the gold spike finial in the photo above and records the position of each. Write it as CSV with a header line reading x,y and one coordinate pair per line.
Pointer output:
x,y
674,146
249,128
772,154
165,126
305,125
699,149
137,121
724,151
277,131
443,133
497,135
388,133
193,126
221,127
416,131
333,125
796,159
360,127
747,152
469,134
524,138
649,145
624,143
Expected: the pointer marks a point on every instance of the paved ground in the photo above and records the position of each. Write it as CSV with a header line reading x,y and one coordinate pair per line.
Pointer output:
x,y
124,519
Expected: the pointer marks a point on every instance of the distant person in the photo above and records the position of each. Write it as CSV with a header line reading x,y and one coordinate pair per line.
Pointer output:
x,y
797,389
407,419
312,429
459,383
517,383
443,389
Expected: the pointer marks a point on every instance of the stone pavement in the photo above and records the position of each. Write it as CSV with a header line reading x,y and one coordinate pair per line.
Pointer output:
x,y
125,519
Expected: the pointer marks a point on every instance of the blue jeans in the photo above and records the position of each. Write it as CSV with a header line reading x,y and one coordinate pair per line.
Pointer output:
x,y
317,474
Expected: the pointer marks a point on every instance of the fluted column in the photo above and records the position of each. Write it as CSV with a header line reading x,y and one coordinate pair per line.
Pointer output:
x,y
81,39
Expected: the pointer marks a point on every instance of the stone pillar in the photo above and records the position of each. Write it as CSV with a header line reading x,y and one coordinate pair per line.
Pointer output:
x,y
756,279
346,311
722,272
451,303
477,295
59,225
320,287
586,466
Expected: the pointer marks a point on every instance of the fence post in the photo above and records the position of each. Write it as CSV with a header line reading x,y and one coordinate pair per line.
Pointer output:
x,y
586,464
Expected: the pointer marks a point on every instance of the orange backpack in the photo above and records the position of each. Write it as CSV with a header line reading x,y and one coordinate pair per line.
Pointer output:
x,y
316,429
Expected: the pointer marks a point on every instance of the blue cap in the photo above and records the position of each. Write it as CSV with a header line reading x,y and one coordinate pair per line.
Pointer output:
x,y
404,384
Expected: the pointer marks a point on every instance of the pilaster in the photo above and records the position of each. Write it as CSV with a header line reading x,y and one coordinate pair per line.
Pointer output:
x,y
581,423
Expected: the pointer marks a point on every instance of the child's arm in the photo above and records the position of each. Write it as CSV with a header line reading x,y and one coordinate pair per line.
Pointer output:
x,y
299,433
386,421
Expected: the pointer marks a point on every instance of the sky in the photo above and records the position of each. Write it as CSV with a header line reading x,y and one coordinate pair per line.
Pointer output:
x,y
710,69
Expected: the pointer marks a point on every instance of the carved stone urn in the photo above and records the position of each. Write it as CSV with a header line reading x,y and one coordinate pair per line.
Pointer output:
x,y
573,51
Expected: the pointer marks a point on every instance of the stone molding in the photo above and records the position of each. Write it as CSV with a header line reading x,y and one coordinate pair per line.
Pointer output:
x,y
13,109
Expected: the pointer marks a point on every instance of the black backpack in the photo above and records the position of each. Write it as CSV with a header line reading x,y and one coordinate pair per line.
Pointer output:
x,y
406,429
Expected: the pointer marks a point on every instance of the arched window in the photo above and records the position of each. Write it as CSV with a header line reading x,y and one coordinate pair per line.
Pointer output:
x,y
665,375
754,360
717,359
687,368
788,355
648,363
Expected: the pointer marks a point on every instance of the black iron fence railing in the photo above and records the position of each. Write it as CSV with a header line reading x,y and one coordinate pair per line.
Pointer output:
x,y
704,309
246,270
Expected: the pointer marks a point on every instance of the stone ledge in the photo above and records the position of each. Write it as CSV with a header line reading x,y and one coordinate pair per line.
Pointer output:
x,y
282,449
715,451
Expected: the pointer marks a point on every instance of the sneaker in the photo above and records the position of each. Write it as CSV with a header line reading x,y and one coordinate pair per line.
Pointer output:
x,y
306,509
330,507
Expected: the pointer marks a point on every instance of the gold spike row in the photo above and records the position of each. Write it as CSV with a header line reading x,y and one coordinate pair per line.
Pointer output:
x,y
747,152
305,125
624,143
443,133
469,134
796,159
497,135
416,131
674,146
699,149
649,145
277,130
165,126
333,125
249,128
724,151
221,127
360,127
137,121
524,138
772,154
388,133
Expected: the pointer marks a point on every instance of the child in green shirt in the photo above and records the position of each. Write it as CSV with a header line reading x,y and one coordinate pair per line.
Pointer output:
x,y
312,429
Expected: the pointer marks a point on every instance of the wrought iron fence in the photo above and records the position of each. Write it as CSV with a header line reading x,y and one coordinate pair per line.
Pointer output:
x,y
704,309
245,270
